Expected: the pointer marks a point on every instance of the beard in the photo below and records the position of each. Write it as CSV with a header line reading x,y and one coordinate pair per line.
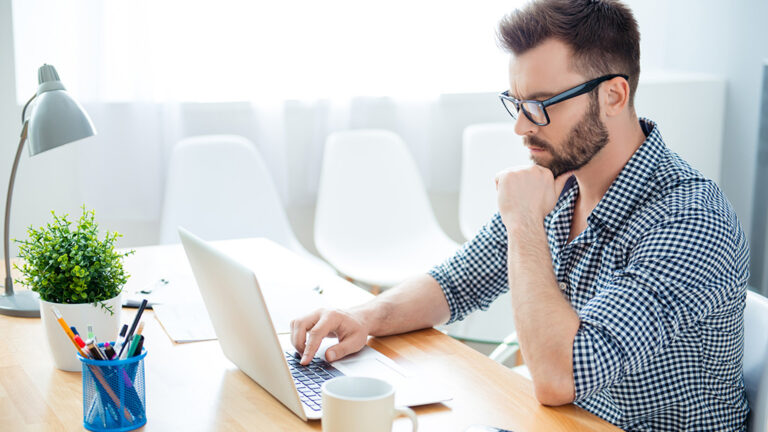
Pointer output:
x,y
584,141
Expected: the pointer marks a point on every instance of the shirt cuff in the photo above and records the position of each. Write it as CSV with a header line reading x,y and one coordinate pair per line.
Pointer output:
x,y
438,274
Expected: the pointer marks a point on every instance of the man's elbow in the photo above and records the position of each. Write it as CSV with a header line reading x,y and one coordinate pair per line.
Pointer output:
x,y
554,393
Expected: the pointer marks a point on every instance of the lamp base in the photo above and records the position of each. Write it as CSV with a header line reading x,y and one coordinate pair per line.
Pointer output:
x,y
21,304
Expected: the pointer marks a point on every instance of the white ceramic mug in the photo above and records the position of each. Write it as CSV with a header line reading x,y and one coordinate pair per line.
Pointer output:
x,y
354,404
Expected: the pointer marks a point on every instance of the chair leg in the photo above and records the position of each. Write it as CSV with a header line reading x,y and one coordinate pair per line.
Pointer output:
x,y
505,350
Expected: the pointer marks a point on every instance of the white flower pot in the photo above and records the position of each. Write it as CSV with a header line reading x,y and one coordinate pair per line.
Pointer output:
x,y
105,327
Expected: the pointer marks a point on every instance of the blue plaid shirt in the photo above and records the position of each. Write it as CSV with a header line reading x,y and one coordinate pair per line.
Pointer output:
x,y
658,279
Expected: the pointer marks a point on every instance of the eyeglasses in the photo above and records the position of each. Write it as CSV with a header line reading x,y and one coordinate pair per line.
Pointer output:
x,y
536,111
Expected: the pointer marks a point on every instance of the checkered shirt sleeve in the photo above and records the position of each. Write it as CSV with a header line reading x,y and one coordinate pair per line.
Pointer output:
x,y
477,273
678,273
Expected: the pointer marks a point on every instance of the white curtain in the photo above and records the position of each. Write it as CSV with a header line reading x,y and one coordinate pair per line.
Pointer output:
x,y
283,74
234,50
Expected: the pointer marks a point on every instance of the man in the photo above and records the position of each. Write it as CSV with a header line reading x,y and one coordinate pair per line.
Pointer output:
x,y
627,269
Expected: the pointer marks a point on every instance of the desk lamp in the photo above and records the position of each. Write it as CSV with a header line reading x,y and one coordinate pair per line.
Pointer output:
x,y
55,119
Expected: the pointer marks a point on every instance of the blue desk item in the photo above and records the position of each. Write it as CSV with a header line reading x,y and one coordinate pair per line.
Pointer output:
x,y
126,379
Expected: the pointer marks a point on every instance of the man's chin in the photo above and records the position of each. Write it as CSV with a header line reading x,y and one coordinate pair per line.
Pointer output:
x,y
556,171
541,161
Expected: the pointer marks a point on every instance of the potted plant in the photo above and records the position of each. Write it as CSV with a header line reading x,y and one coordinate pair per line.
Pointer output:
x,y
77,273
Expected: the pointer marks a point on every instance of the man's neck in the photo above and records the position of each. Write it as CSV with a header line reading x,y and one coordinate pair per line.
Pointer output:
x,y
597,176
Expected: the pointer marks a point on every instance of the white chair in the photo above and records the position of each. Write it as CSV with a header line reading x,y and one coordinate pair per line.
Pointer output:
x,y
487,149
756,360
219,187
373,221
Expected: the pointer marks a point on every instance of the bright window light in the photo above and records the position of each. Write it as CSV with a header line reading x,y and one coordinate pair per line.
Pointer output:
x,y
234,50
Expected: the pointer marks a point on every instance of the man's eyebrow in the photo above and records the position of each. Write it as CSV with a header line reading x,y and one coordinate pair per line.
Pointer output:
x,y
540,95
534,96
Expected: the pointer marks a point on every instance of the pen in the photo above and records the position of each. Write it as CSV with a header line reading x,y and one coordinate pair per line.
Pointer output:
x,y
134,341
96,372
139,344
90,331
134,344
119,339
67,329
133,326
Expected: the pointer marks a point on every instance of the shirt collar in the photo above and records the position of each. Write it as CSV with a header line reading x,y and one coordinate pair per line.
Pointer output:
x,y
632,185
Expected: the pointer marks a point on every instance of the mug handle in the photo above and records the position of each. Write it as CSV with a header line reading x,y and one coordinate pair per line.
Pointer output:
x,y
405,411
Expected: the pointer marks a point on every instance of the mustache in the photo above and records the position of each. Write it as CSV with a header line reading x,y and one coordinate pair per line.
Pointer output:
x,y
533,141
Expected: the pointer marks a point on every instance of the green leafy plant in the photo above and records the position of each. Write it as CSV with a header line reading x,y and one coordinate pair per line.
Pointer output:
x,y
66,265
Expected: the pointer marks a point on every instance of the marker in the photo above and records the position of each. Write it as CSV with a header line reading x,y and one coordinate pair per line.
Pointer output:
x,y
109,351
134,344
139,345
119,339
90,331
92,348
79,341
136,338
74,330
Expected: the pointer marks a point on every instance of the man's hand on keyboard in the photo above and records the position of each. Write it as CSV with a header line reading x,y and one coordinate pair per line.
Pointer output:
x,y
309,331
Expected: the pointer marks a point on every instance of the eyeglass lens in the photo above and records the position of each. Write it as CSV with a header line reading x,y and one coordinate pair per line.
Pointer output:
x,y
534,110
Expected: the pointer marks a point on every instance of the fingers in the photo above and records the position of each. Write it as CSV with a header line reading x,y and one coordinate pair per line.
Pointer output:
x,y
511,169
346,346
307,334
299,329
315,336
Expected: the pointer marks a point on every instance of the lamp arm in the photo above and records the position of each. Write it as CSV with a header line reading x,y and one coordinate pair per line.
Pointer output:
x,y
24,111
6,230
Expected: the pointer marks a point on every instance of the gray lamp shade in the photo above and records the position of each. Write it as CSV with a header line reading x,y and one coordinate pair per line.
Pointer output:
x,y
56,119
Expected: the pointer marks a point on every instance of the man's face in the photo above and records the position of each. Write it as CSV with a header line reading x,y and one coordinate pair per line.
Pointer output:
x,y
575,133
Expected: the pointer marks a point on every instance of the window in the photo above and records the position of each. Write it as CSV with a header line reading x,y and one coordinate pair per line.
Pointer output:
x,y
228,50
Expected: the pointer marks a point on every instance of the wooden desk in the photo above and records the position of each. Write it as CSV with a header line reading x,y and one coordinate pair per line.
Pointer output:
x,y
193,387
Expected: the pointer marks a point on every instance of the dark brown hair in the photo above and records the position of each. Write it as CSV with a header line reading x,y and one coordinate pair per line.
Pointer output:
x,y
602,35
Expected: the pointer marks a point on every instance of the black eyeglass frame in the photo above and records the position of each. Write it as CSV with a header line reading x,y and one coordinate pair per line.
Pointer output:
x,y
568,94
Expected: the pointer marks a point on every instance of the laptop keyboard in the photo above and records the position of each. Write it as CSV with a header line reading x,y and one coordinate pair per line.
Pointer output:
x,y
309,378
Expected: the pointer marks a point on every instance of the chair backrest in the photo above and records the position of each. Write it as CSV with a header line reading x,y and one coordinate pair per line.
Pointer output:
x,y
370,193
487,149
756,360
219,187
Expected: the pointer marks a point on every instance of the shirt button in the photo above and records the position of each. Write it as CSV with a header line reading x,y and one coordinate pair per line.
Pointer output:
x,y
563,286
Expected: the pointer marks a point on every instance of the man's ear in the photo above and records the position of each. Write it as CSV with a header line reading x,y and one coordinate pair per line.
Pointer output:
x,y
615,96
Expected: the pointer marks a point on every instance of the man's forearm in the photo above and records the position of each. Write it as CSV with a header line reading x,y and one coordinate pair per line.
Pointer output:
x,y
545,321
414,304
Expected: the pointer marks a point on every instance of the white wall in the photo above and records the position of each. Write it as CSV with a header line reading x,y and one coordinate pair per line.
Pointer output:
x,y
723,38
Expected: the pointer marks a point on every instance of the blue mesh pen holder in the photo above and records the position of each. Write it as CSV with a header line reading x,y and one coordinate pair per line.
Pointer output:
x,y
113,393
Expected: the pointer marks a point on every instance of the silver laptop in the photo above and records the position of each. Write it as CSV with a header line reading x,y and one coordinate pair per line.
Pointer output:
x,y
247,336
